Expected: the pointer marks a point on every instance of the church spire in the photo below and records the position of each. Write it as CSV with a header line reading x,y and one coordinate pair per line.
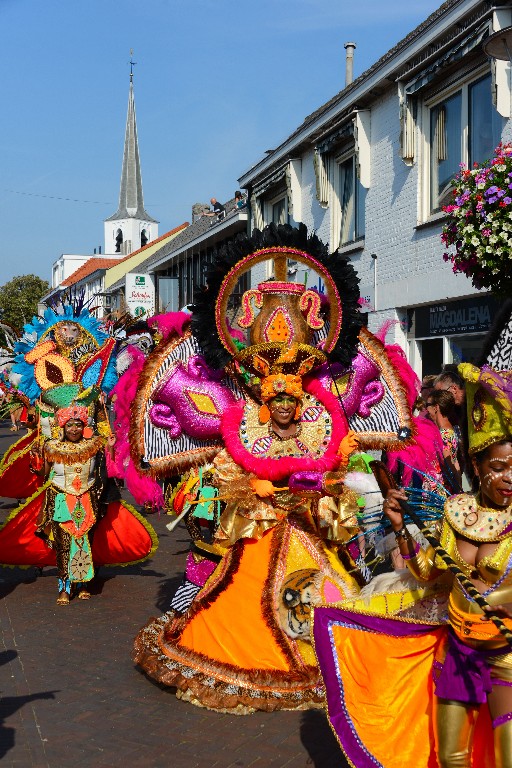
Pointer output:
x,y
131,227
131,201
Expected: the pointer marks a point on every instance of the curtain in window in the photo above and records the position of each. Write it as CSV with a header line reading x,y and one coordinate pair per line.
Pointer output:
x,y
279,212
445,147
407,129
440,140
289,193
321,166
257,214
347,201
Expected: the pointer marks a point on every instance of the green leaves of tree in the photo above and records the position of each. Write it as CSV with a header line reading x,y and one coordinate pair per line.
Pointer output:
x,y
19,299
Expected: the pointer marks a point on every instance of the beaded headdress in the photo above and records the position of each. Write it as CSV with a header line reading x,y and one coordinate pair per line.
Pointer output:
x,y
280,328
489,405
70,401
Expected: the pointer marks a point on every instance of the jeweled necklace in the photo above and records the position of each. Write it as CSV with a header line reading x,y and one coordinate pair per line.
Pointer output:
x,y
497,516
282,438
66,452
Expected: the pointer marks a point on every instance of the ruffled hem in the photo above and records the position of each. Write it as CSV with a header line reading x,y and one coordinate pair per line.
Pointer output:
x,y
225,688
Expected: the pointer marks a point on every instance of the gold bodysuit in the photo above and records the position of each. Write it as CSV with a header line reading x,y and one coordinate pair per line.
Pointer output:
x,y
464,517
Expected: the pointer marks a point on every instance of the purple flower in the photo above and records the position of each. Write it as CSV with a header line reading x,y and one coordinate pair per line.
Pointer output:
x,y
507,200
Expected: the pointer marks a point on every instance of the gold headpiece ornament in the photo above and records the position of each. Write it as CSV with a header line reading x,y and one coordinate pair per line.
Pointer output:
x,y
489,405
280,369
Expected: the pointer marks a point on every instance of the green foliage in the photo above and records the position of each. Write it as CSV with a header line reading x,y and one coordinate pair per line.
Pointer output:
x,y
19,299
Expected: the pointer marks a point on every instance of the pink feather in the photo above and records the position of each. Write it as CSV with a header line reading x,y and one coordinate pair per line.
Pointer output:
x,y
422,454
143,488
170,324
278,469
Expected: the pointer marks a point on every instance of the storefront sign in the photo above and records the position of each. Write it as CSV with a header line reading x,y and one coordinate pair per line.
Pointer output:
x,y
140,295
453,318
367,294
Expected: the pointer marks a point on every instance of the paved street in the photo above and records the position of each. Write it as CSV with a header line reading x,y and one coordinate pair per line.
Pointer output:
x,y
71,696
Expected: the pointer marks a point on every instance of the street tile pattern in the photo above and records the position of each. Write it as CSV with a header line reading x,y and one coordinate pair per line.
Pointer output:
x,y
71,697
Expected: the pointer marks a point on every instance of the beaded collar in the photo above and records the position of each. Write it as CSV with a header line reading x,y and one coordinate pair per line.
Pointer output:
x,y
283,438
477,523
66,452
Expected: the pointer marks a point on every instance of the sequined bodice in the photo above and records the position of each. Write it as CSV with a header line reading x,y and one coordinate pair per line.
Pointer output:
x,y
75,478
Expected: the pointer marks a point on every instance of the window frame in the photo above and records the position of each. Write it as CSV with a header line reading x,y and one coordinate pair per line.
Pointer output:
x,y
441,94
268,205
340,159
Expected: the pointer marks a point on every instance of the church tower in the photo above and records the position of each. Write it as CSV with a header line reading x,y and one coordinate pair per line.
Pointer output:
x,y
131,227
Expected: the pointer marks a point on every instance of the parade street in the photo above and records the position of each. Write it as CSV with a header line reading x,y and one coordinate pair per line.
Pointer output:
x,y
71,695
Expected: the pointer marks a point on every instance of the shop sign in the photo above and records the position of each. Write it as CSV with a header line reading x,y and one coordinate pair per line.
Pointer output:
x,y
473,315
367,294
140,295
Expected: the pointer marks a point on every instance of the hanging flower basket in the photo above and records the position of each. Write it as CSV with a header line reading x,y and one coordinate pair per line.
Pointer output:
x,y
479,227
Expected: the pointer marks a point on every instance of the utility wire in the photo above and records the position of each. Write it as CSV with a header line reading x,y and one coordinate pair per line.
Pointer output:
x,y
54,197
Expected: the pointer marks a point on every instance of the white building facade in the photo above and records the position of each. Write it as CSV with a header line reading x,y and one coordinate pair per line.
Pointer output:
x,y
371,169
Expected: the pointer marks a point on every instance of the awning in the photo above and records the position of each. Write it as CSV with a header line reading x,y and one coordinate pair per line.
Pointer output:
x,y
458,51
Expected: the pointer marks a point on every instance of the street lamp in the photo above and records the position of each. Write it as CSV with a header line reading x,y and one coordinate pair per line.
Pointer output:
x,y
499,45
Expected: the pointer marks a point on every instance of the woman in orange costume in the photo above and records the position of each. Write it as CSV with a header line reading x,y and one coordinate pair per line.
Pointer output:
x,y
263,399
244,643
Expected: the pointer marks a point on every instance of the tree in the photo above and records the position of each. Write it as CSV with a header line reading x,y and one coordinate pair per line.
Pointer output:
x,y
19,299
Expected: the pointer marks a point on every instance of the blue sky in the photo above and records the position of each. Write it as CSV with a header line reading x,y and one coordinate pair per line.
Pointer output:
x,y
216,84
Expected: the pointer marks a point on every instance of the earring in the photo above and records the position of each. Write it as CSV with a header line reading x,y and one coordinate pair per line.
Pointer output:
x,y
297,413
87,433
264,413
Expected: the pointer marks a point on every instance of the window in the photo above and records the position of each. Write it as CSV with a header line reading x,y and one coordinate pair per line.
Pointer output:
x,y
168,294
352,198
279,212
464,128
276,209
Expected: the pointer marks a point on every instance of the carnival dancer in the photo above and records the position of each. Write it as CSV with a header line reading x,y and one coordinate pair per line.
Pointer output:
x,y
471,661
274,560
72,505
75,520
65,344
269,408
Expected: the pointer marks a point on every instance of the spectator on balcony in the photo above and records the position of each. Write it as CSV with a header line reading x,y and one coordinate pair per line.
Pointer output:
x,y
240,201
218,209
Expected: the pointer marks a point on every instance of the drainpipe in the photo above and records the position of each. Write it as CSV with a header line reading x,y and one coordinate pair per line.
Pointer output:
x,y
374,257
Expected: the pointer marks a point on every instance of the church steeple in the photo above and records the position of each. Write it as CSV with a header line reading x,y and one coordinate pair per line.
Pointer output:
x,y
131,227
